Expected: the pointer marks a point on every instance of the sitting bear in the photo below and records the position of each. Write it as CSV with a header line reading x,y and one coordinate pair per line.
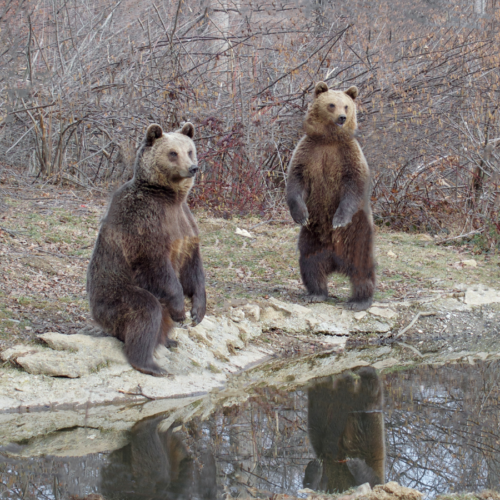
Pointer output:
x,y
157,465
328,192
346,430
147,254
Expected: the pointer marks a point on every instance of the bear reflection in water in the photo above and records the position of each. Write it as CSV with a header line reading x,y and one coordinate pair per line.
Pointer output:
x,y
157,465
346,430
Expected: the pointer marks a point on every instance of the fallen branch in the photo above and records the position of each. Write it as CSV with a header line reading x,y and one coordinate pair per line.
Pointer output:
x,y
75,182
138,393
413,321
11,232
414,349
269,221
20,139
59,255
472,233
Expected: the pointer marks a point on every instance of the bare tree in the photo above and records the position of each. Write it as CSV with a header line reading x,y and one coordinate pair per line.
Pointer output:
x,y
80,81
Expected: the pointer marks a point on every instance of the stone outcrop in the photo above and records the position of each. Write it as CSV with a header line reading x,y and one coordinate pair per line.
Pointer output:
x,y
219,345
479,295
89,368
388,491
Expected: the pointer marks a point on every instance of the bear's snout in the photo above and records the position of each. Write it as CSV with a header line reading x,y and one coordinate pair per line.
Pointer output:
x,y
341,120
193,169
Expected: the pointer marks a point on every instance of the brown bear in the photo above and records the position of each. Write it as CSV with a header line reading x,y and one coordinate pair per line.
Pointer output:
x,y
147,254
328,192
157,465
346,429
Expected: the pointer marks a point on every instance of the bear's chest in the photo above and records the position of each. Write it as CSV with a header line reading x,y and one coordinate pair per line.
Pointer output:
x,y
166,231
325,163
323,176
182,250
182,237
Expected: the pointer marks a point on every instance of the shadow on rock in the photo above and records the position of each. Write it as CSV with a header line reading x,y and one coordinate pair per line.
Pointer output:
x,y
346,430
157,465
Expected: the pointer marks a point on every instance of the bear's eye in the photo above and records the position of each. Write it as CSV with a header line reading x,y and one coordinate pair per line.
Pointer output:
x,y
190,154
332,106
173,154
346,108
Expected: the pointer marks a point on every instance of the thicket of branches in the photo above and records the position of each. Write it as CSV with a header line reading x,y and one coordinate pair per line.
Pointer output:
x,y
80,81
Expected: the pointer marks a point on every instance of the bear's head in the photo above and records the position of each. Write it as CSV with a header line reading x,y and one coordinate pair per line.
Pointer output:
x,y
332,114
167,160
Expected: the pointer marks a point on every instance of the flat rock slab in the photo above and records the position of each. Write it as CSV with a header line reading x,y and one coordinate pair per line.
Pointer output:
x,y
114,420
90,369
386,363
71,356
52,363
76,442
84,369
388,491
480,295
383,312
121,416
321,318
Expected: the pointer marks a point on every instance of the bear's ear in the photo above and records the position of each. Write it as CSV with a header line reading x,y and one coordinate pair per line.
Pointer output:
x,y
352,92
320,88
154,132
188,129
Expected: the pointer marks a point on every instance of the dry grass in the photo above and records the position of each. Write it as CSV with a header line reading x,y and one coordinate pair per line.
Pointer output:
x,y
47,234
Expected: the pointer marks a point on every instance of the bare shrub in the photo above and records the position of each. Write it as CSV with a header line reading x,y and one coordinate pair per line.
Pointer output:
x,y
80,81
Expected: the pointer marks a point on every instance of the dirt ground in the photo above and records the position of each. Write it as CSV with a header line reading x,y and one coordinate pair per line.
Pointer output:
x,y
47,234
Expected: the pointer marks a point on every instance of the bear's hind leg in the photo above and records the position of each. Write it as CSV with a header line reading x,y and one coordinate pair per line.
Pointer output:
x,y
316,263
363,284
362,294
362,266
141,330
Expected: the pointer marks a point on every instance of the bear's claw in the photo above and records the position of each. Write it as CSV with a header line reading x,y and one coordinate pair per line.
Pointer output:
x,y
152,369
340,222
312,298
358,305
300,215
178,317
169,343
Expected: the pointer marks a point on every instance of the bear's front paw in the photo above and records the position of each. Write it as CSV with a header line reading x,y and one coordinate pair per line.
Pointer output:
x,y
169,343
178,316
198,313
341,220
300,214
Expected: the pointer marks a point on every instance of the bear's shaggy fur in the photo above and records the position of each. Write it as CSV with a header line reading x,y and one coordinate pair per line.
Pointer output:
x,y
346,429
147,254
156,464
328,192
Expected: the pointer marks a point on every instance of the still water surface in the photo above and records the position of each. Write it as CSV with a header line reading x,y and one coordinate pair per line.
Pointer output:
x,y
433,429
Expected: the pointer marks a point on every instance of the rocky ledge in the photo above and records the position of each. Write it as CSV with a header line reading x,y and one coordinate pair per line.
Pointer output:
x,y
90,368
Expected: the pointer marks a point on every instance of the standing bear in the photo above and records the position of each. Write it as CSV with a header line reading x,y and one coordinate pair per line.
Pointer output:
x,y
328,193
345,424
147,254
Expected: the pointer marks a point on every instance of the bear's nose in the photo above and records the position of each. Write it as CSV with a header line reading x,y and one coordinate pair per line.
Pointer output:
x,y
342,119
193,169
